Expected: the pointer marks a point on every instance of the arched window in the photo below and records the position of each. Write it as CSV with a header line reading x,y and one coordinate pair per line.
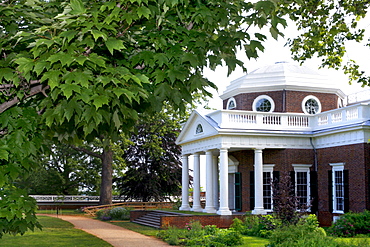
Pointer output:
x,y
311,105
263,103
231,104
199,129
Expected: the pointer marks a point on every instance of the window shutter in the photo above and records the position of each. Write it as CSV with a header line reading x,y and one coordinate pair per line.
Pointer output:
x,y
330,190
346,190
238,191
313,191
251,186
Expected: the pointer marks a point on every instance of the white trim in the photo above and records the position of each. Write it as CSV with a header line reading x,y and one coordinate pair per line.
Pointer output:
x,y
254,107
306,169
232,99
304,104
269,168
337,167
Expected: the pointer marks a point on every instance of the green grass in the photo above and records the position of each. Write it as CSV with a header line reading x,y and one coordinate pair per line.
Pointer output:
x,y
145,230
254,242
61,212
56,232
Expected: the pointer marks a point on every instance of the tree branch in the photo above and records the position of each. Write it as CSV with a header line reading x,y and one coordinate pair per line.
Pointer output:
x,y
34,90
87,151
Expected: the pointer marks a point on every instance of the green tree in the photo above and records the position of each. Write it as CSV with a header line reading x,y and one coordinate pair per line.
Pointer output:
x,y
85,69
65,171
326,30
152,158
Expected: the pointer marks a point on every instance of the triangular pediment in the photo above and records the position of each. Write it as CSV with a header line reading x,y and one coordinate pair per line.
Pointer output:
x,y
197,127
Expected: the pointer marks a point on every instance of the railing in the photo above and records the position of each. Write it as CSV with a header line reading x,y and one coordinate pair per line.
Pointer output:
x,y
261,120
290,121
135,205
72,198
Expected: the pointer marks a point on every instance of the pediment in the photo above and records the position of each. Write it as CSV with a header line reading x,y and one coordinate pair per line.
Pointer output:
x,y
197,127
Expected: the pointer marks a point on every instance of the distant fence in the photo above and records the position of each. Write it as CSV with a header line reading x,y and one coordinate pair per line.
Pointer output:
x,y
72,198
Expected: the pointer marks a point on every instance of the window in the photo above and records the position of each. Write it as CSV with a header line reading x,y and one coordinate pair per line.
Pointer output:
x,y
311,105
231,104
267,179
263,103
338,187
199,129
302,184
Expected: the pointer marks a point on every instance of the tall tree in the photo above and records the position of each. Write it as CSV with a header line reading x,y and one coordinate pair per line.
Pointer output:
x,y
64,171
152,157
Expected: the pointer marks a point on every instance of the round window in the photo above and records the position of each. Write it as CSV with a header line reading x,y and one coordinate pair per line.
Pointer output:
x,y
263,103
311,105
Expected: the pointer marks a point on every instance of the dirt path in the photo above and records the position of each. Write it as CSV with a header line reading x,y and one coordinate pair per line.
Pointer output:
x,y
115,235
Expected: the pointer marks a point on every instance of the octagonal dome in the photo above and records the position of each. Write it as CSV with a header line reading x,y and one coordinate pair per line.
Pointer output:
x,y
281,76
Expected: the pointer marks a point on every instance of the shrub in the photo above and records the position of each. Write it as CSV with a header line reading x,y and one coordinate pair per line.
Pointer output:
x,y
256,225
103,214
300,235
351,224
120,213
117,213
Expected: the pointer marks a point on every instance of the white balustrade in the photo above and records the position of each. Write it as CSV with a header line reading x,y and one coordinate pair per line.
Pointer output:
x,y
234,119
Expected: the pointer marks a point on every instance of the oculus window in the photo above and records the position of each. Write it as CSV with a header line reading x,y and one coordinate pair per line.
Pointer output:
x,y
263,103
311,105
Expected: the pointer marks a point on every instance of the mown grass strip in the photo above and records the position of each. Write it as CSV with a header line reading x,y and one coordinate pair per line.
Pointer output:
x,y
56,233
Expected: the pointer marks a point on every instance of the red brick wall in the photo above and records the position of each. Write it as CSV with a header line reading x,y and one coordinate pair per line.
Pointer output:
x,y
293,100
356,158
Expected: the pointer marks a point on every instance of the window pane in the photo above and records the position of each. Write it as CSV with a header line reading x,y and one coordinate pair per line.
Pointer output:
x,y
267,190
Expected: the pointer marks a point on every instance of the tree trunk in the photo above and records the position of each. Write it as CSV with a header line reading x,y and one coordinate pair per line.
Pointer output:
x,y
106,177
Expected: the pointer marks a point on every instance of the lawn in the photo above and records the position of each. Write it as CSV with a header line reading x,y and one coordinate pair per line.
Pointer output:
x,y
56,232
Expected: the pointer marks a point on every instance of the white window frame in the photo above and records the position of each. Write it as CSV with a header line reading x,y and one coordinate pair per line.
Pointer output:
x,y
254,106
304,104
269,168
306,169
232,99
340,168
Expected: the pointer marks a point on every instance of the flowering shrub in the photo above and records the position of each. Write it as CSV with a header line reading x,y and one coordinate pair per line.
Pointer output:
x,y
256,225
351,224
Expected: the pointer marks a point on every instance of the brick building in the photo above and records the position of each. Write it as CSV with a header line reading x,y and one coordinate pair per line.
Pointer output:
x,y
280,119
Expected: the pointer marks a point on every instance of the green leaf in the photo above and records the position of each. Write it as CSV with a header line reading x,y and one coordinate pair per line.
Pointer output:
x,y
100,100
68,89
6,73
143,11
117,122
25,64
114,44
53,78
4,155
98,34
77,7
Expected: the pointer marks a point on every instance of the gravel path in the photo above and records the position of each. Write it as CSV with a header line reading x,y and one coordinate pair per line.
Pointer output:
x,y
115,235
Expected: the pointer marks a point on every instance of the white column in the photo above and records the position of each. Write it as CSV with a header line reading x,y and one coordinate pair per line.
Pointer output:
x,y
209,183
185,184
258,183
196,184
224,183
215,182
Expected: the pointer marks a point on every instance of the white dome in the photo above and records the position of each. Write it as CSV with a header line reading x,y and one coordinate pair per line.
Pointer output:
x,y
281,76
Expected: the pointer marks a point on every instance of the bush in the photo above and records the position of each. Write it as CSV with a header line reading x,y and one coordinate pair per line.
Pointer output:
x,y
195,234
117,213
300,235
256,225
351,224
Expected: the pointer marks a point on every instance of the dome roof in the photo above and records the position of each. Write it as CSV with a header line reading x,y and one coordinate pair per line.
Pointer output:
x,y
281,76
